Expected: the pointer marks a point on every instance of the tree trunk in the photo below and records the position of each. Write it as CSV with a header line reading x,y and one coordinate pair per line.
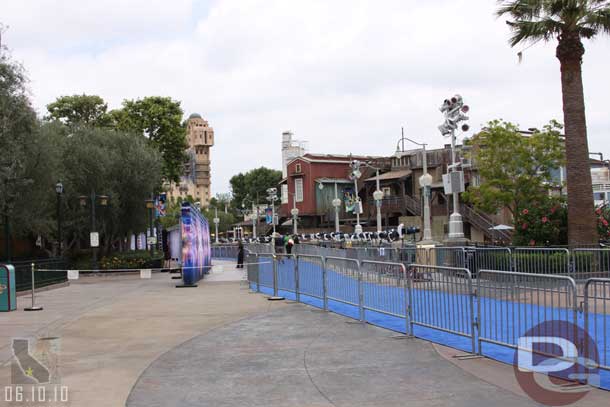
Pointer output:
x,y
582,228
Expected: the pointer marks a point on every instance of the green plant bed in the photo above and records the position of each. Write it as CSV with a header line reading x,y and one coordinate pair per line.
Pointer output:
x,y
131,260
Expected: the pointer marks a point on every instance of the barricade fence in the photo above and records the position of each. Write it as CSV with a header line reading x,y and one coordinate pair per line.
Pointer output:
x,y
474,312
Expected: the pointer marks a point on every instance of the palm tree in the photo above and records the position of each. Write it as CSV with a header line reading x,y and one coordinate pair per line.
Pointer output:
x,y
568,21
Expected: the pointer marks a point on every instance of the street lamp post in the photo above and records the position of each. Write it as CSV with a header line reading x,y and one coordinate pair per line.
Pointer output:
x,y
295,214
336,203
216,222
59,190
94,237
425,181
354,175
454,111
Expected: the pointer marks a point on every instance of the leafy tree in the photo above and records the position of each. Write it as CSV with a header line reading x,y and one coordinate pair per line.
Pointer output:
x,y
159,119
253,184
79,110
567,21
17,125
516,170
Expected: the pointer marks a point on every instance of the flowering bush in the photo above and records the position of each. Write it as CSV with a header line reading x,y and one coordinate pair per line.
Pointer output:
x,y
541,223
603,222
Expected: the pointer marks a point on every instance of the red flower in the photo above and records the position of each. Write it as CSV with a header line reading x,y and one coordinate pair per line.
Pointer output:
x,y
598,211
524,226
525,212
604,222
553,210
545,219
532,242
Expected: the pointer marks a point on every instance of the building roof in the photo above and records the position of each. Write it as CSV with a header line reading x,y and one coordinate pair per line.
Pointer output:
x,y
195,116
391,175
331,158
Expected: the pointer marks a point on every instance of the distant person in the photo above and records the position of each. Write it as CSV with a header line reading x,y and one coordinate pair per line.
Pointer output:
x,y
296,239
240,255
289,245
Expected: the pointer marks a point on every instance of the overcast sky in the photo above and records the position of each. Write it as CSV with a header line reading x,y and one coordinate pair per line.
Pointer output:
x,y
343,74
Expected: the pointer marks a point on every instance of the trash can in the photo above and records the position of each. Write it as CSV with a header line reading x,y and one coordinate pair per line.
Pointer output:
x,y
8,294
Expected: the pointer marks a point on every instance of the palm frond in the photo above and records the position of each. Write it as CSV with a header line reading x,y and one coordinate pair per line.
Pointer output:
x,y
531,31
520,9
598,21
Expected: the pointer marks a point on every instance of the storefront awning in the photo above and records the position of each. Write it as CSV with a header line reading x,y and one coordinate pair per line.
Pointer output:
x,y
391,175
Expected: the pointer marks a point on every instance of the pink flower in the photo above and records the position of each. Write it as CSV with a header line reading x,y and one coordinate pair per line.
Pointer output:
x,y
604,222
525,212
545,219
598,211
524,226
553,210
532,242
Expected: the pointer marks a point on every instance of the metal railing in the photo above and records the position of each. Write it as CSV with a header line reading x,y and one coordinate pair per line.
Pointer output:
x,y
512,303
53,273
497,308
596,307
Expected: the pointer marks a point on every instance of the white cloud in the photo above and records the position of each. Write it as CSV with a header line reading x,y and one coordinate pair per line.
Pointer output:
x,y
345,75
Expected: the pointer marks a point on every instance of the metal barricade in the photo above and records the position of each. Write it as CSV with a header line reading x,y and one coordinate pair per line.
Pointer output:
x,y
312,277
510,304
252,270
442,299
537,260
590,263
497,258
343,282
286,270
385,289
447,257
597,317
266,270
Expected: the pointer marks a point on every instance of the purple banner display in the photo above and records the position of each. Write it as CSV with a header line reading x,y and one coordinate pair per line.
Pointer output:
x,y
196,248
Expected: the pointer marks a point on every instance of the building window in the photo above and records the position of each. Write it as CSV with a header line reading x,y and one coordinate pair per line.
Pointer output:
x,y
284,193
298,189
297,168
387,191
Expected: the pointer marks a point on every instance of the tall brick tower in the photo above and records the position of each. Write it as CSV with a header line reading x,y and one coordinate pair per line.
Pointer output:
x,y
196,180
200,137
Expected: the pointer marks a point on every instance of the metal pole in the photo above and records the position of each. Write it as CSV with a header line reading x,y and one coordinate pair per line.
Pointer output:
x,y
456,228
337,226
93,249
294,216
427,226
59,224
216,224
254,223
378,203
33,307
358,228
273,215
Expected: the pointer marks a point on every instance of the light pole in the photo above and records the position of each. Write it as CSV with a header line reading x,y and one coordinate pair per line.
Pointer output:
x,y
272,197
94,236
59,190
295,213
354,175
454,111
336,203
216,222
425,181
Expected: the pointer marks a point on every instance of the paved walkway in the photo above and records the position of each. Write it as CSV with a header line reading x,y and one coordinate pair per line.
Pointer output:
x,y
126,341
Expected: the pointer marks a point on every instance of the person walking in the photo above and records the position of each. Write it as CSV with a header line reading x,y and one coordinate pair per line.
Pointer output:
x,y
240,255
